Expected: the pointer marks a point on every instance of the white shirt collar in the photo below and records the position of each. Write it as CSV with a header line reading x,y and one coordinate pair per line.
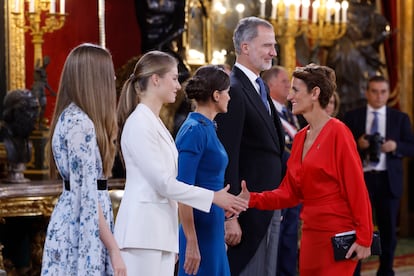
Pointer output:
x,y
278,105
252,76
380,111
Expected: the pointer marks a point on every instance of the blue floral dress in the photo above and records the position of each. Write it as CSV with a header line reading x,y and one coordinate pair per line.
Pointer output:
x,y
73,245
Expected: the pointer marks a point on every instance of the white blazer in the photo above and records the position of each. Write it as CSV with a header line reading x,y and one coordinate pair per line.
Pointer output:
x,y
148,217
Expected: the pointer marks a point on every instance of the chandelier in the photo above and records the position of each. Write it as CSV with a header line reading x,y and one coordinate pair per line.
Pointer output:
x,y
321,21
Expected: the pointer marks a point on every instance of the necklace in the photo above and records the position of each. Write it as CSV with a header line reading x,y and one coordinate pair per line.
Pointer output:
x,y
312,134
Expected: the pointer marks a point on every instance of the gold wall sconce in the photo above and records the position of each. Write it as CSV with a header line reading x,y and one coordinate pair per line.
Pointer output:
x,y
39,17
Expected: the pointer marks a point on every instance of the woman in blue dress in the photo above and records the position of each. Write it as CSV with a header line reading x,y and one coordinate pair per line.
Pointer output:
x,y
202,161
79,238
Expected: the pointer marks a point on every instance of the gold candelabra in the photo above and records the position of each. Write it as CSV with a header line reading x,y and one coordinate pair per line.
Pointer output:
x,y
41,17
322,22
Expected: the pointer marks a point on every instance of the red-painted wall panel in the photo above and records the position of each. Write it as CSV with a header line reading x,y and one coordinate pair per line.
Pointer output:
x,y
81,25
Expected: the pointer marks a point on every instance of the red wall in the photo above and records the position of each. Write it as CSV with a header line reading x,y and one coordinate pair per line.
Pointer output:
x,y
81,25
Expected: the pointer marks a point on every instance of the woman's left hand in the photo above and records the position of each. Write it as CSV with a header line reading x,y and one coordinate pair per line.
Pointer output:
x,y
360,252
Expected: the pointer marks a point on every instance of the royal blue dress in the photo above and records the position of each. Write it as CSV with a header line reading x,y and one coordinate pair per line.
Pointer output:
x,y
202,161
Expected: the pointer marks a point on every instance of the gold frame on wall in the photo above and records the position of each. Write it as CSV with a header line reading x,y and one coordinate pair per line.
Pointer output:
x,y
15,47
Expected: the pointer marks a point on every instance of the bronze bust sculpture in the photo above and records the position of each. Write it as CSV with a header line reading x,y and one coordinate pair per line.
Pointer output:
x,y
20,113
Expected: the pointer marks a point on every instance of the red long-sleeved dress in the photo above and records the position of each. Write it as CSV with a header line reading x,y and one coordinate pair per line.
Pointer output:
x,y
329,182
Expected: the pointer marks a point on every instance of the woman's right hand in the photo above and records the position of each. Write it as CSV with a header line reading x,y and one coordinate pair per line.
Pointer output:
x,y
244,194
118,264
230,203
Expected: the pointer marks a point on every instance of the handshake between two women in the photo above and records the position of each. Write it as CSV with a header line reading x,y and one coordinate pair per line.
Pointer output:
x,y
233,205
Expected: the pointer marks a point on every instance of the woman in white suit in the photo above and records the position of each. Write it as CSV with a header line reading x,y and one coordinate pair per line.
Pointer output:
x,y
146,227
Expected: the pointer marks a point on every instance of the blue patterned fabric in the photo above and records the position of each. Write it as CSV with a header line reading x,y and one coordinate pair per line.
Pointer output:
x,y
73,245
374,125
202,161
263,93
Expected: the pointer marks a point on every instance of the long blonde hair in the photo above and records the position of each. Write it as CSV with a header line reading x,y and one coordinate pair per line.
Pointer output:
x,y
88,80
153,62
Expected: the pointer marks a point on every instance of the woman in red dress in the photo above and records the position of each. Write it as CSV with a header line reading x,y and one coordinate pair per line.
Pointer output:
x,y
325,175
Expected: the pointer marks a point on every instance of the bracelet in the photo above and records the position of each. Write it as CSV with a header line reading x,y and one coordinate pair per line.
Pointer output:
x,y
231,218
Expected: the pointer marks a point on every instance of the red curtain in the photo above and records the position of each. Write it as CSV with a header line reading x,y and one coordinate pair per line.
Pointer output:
x,y
81,25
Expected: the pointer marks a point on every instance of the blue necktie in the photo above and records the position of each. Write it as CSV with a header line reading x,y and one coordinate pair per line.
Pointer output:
x,y
374,125
263,94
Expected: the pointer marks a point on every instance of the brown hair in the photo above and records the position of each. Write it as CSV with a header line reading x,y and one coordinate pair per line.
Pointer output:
x,y
153,62
88,80
205,81
318,76
377,78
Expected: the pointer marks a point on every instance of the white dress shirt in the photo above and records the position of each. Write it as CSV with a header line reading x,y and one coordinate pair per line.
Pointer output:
x,y
381,113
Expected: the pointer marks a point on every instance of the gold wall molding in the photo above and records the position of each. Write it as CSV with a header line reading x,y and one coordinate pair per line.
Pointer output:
x,y
15,47
28,206
405,59
405,11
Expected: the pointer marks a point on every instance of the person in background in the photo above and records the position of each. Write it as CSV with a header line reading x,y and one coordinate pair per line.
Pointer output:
x,y
279,86
146,227
202,161
324,173
333,105
226,67
83,132
277,79
253,137
383,136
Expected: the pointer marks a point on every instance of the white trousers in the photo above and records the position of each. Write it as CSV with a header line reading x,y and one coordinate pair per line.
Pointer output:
x,y
148,262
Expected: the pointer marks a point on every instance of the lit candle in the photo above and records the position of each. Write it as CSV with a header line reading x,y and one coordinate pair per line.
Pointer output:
x,y
52,6
16,6
305,9
275,3
344,10
315,9
287,7
262,8
337,8
328,11
32,6
62,6
297,6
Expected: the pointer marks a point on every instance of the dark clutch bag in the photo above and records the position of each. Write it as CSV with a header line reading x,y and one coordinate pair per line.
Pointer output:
x,y
342,242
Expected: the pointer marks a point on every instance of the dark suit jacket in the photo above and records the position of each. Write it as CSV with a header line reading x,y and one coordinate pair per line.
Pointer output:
x,y
398,128
254,143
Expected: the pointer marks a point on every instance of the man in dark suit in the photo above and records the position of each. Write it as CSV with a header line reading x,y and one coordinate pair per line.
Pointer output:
x,y
383,136
253,137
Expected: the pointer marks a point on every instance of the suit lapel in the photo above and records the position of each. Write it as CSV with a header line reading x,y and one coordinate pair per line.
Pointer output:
x,y
254,98
388,126
162,131
362,118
